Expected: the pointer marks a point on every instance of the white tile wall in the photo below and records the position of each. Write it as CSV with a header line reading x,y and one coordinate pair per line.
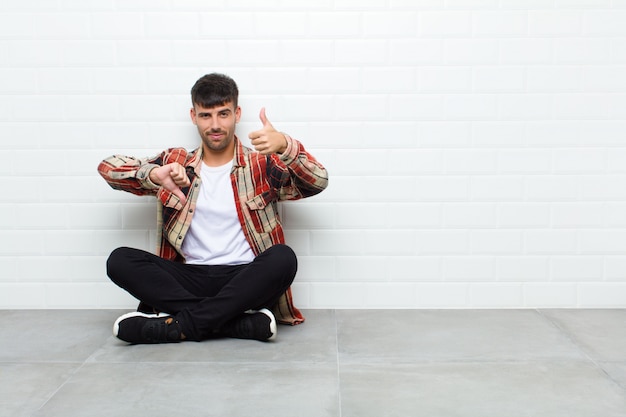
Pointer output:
x,y
477,149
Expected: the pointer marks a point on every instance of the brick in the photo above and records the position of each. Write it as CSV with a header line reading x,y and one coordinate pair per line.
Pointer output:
x,y
414,268
443,295
469,215
471,51
496,188
117,25
550,295
360,52
390,295
578,215
551,242
62,25
555,23
470,162
278,24
558,79
577,268
523,268
390,24
360,269
468,268
317,268
355,216
508,79
413,215
388,80
525,161
171,25
492,242
445,23
416,51
388,242
488,295
506,23
444,79
523,215
335,24
581,50
526,51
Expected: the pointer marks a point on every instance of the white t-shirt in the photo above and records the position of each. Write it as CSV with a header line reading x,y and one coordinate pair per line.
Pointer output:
x,y
215,236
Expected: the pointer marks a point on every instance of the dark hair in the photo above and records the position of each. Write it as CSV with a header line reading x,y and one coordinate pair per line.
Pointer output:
x,y
214,90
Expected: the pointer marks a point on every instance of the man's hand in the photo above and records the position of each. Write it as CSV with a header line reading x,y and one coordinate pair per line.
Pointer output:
x,y
267,140
172,177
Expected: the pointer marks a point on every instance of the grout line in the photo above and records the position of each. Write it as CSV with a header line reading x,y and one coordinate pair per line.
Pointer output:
x,y
64,383
580,347
338,365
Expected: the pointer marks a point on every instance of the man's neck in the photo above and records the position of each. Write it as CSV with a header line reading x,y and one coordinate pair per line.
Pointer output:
x,y
217,158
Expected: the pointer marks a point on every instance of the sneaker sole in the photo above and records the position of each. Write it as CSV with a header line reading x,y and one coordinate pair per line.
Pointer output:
x,y
116,325
273,327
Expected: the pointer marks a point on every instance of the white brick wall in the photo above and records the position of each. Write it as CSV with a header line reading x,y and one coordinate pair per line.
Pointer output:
x,y
477,148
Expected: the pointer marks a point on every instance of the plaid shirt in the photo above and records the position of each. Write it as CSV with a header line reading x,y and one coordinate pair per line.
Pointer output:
x,y
258,181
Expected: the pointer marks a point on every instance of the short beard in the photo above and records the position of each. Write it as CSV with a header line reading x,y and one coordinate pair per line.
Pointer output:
x,y
217,147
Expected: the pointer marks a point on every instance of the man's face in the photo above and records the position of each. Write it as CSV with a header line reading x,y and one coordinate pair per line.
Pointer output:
x,y
216,125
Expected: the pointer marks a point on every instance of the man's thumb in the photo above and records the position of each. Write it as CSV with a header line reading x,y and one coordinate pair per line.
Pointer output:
x,y
181,196
263,118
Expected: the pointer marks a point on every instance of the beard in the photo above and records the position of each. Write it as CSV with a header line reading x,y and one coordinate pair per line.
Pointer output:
x,y
217,145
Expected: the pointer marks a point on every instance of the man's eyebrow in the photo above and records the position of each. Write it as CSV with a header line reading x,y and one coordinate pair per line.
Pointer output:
x,y
207,113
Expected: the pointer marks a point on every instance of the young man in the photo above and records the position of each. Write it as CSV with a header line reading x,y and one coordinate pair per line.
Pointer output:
x,y
223,268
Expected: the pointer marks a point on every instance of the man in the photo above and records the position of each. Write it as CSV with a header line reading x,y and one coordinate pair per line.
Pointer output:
x,y
223,268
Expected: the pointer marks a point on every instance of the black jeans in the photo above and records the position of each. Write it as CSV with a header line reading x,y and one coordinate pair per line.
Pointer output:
x,y
203,297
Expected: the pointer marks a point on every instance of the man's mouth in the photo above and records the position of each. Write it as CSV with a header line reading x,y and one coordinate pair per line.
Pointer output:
x,y
216,135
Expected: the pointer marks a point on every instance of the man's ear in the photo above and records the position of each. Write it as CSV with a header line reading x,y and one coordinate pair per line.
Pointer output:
x,y
192,114
237,114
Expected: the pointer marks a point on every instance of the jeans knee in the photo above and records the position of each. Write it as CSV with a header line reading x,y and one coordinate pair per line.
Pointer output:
x,y
117,261
286,256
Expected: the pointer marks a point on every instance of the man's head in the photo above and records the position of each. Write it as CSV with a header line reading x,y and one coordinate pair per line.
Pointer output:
x,y
215,113
214,90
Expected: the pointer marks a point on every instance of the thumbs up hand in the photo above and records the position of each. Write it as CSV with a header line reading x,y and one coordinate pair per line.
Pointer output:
x,y
267,140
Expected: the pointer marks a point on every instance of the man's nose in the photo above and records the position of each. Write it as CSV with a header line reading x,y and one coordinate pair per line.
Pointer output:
x,y
213,123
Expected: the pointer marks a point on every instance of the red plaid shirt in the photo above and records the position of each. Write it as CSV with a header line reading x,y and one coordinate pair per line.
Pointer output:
x,y
259,183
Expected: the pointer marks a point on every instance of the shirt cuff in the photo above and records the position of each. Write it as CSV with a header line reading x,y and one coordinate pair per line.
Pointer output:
x,y
143,175
291,153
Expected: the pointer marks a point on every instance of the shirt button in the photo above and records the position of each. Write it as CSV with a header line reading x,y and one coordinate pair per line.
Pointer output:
x,y
180,237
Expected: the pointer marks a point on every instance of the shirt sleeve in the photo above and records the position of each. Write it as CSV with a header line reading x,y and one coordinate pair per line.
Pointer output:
x,y
304,175
127,173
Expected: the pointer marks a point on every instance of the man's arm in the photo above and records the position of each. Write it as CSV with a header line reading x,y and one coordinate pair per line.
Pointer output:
x,y
146,175
130,174
305,176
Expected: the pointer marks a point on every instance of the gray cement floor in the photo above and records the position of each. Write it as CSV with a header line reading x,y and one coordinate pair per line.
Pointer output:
x,y
348,363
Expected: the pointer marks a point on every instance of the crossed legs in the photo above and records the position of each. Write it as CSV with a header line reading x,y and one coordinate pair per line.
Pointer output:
x,y
203,298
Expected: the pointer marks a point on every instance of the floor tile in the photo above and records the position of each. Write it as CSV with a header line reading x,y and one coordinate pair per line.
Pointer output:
x,y
616,370
313,341
53,335
572,389
187,389
379,363
401,336
26,387
600,333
